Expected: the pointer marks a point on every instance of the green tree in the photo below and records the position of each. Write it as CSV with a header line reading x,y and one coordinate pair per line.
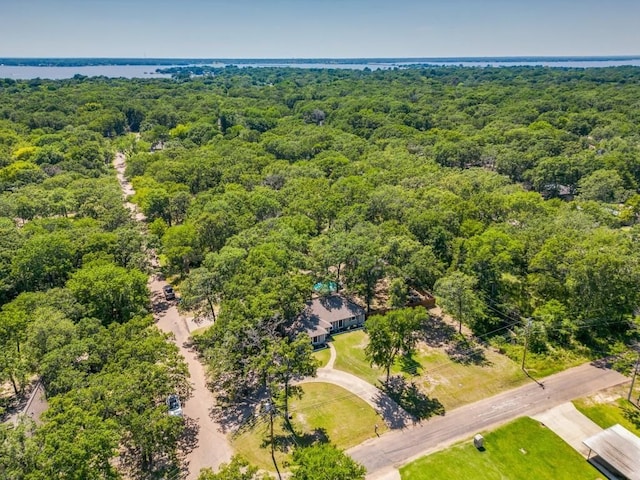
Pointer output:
x,y
201,292
392,334
325,462
455,294
237,469
283,362
109,292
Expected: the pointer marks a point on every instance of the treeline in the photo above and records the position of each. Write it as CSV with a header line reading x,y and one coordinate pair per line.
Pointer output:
x,y
74,313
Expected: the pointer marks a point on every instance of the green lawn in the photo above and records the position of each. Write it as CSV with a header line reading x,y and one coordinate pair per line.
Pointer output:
x,y
350,356
322,356
324,411
523,449
453,384
608,413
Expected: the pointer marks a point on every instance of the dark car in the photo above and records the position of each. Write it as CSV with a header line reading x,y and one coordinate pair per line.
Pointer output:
x,y
169,294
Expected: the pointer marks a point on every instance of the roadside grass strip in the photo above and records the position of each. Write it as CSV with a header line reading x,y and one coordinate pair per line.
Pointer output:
x,y
520,450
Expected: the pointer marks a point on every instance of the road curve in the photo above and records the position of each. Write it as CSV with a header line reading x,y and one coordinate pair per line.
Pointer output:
x,y
209,446
397,448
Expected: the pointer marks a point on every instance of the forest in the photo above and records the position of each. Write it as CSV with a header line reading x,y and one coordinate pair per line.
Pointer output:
x,y
510,193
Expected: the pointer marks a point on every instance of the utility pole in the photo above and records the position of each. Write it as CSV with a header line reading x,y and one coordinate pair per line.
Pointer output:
x,y
527,331
526,343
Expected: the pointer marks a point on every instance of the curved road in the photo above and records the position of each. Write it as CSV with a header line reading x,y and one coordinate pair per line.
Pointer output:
x,y
209,447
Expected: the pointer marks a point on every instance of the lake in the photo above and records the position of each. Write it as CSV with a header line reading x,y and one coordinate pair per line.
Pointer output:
x,y
149,71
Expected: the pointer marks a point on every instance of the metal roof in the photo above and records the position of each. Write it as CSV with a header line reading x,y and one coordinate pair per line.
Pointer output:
x,y
618,447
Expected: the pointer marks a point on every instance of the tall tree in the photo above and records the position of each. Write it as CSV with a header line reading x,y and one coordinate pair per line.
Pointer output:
x,y
456,296
325,462
392,334
283,362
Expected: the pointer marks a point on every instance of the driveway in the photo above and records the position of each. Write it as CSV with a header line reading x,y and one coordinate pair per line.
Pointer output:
x,y
569,424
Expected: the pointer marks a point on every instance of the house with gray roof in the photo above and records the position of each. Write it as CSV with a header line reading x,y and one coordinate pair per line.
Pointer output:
x,y
329,314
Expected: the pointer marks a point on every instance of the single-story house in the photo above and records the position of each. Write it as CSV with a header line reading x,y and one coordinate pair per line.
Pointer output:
x,y
329,314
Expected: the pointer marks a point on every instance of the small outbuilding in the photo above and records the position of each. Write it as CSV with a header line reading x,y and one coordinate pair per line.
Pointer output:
x,y
615,452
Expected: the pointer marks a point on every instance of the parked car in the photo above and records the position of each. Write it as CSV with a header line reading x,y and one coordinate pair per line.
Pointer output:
x,y
169,294
173,404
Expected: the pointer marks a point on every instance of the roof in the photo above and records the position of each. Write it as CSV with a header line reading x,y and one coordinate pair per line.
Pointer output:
x,y
618,447
320,312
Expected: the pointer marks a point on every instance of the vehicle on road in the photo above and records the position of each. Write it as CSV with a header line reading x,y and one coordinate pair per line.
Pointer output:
x,y
173,404
169,294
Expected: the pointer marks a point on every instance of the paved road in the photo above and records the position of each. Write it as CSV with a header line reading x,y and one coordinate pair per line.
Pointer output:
x,y
399,447
210,447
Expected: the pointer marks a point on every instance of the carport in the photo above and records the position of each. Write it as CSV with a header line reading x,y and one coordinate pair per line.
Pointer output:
x,y
617,453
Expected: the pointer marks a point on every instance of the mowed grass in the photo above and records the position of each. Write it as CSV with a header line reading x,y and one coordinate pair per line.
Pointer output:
x,y
608,413
453,384
456,384
325,412
322,356
350,356
522,449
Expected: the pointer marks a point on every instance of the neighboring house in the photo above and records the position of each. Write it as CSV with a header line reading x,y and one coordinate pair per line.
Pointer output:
x,y
330,314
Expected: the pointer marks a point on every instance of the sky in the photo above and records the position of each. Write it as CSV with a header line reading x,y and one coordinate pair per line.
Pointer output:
x,y
318,28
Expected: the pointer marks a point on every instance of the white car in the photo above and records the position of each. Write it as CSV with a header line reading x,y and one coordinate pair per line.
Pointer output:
x,y
173,403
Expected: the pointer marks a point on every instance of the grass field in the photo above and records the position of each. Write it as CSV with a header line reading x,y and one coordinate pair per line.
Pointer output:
x,y
325,412
521,450
607,413
453,384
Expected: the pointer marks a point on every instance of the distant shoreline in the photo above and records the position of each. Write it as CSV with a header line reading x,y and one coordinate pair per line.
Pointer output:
x,y
99,61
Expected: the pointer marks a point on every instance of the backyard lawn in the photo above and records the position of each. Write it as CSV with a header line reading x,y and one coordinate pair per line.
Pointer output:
x,y
522,449
452,383
325,412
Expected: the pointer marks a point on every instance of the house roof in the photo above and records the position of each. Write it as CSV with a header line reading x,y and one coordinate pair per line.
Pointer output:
x,y
320,312
618,447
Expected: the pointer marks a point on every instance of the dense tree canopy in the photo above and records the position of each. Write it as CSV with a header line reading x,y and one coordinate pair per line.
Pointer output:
x,y
513,192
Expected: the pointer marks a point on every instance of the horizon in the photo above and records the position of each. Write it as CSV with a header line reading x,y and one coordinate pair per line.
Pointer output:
x,y
367,58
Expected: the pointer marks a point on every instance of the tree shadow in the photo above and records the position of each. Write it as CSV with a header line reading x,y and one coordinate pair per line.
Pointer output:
x,y
286,441
188,441
436,332
409,396
409,365
12,404
391,412
238,416
466,352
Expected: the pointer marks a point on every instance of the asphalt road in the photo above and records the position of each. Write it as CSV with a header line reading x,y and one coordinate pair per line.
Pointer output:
x,y
397,448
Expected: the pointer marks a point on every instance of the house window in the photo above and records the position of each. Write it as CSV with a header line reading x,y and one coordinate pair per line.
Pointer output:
x,y
315,340
340,323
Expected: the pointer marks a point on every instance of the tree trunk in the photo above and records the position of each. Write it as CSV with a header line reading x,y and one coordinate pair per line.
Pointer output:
x,y
15,385
213,313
